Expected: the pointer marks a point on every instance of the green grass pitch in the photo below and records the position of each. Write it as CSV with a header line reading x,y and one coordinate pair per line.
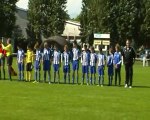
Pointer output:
x,y
28,101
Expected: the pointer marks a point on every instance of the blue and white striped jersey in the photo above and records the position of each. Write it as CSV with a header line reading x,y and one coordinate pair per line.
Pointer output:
x,y
117,58
66,58
56,57
38,55
110,59
46,54
76,53
93,59
101,59
20,55
85,58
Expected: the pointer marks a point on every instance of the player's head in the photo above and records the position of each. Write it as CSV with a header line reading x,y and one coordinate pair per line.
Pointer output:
x,y
29,46
117,47
52,46
128,42
100,48
19,46
110,50
55,47
0,41
92,49
85,47
8,41
37,45
45,45
75,44
65,48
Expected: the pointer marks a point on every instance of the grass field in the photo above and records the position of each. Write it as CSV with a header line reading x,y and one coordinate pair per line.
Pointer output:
x,y
28,101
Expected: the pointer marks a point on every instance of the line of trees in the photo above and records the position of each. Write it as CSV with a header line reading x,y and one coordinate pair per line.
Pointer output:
x,y
121,18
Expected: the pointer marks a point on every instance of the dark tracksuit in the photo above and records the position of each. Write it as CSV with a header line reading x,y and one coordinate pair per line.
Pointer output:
x,y
129,56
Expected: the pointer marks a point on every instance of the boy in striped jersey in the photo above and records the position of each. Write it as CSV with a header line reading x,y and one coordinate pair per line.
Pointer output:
x,y
85,58
20,61
37,62
66,67
93,59
75,62
117,64
56,63
110,66
101,67
46,62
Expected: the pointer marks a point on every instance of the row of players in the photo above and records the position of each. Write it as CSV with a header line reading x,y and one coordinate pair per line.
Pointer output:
x,y
89,59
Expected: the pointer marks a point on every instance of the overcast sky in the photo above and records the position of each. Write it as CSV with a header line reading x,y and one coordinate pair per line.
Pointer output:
x,y
73,6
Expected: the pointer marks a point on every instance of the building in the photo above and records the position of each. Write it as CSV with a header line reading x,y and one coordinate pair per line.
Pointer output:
x,y
72,31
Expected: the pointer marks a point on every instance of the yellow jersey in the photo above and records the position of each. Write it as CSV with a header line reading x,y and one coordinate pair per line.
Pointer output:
x,y
8,49
29,56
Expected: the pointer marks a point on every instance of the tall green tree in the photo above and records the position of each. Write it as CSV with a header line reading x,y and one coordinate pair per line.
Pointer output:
x,y
7,17
121,18
145,28
47,17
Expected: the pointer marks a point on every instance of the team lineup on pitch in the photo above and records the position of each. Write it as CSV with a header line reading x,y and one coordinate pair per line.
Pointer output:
x,y
93,64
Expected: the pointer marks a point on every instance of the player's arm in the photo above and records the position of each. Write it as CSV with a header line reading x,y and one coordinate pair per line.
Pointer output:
x,y
134,55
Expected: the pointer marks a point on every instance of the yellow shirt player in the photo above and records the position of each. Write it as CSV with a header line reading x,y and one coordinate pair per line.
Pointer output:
x,y
8,49
29,61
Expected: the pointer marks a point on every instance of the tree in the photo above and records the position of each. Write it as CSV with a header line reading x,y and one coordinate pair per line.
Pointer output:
x,y
121,18
7,17
145,28
47,17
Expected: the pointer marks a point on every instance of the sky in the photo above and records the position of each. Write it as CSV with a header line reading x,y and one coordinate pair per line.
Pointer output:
x,y
73,6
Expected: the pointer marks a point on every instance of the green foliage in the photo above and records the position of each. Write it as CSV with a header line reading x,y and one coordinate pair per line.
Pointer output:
x,y
47,17
7,17
121,18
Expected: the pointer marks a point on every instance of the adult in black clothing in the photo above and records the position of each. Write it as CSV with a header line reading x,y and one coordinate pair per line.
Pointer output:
x,y
129,59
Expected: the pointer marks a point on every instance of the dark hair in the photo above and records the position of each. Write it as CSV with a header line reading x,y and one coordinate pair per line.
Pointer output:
x,y
19,45
100,48
37,45
92,48
85,46
29,46
128,40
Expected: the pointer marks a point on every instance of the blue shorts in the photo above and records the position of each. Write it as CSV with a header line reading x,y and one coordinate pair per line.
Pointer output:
x,y
85,69
75,65
37,65
21,66
66,68
110,70
101,70
46,65
56,67
93,69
